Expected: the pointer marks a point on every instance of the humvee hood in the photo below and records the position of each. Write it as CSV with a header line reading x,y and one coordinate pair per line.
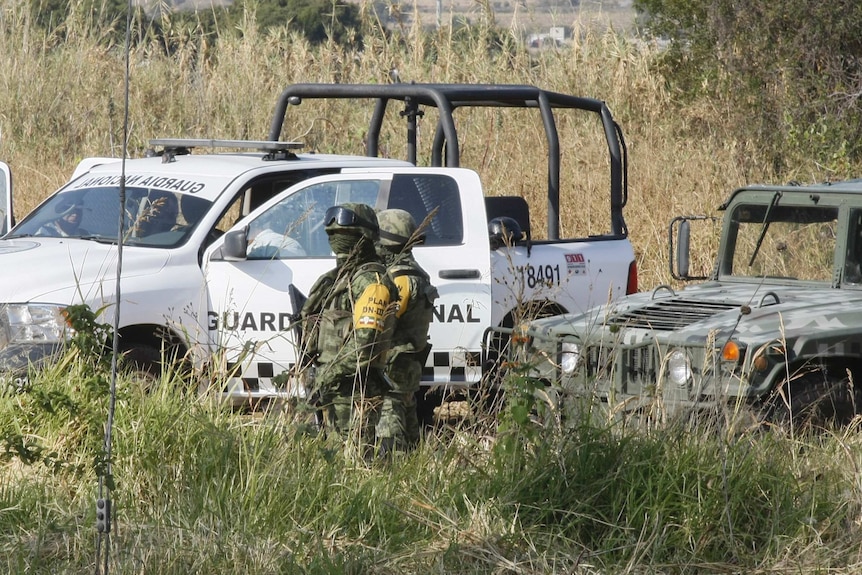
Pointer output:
x,y
716,308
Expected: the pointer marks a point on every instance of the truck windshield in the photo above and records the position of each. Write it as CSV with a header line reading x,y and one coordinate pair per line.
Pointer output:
x,y
794,242
153,218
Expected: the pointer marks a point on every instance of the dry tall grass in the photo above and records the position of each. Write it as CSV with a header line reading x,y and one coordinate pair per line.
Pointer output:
x,y
62,100
206,492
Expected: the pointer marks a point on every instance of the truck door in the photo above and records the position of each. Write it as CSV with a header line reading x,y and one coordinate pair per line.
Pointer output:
x,y
250,300
456,254
6,221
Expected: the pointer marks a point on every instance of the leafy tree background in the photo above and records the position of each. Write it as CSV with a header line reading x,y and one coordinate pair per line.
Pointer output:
x,y
318,20
787,73
51,14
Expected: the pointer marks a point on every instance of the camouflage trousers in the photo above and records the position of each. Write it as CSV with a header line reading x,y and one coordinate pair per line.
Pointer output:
x,y
399,421
352,409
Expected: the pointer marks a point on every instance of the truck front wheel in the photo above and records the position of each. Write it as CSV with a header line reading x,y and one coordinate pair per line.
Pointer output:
x,y
143,362
815,399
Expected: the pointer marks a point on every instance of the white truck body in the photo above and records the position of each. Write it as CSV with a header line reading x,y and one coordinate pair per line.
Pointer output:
x,y
6,221
189,290
162,284
250,303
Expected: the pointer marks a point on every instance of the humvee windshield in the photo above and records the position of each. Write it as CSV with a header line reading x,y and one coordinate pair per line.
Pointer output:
x,y
777,241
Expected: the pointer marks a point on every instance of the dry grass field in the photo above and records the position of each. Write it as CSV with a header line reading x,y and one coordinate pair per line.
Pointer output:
x,y
200,489
62,101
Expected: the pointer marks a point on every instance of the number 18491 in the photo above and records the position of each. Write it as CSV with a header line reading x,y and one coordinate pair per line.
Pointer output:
x,y
540,275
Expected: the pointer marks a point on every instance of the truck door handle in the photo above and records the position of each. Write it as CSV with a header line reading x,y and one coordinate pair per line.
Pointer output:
x,y
459,274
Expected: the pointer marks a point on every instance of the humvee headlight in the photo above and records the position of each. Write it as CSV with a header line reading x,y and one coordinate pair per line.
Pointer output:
x,y
760,363
570,353
678,367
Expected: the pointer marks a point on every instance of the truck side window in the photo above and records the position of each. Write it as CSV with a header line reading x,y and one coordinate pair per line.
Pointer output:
x,y
228,218
293,228
420,195
853,260
257,193
263,189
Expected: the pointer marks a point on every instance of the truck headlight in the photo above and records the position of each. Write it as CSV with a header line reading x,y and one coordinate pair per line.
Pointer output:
x,y
32,323
678,367
570,353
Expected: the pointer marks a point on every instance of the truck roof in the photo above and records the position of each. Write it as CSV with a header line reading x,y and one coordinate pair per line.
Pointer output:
x,y
845,187
212,173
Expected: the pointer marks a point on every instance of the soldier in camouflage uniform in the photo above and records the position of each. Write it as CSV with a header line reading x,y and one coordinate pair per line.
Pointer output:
x,y
348,319
399,424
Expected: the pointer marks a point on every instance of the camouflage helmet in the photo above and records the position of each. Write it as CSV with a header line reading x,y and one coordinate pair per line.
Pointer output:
x,y
396,227
352,218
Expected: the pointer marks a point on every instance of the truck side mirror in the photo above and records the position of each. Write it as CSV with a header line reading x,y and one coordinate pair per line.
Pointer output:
x,y
683,247
235,246
679,255
6,219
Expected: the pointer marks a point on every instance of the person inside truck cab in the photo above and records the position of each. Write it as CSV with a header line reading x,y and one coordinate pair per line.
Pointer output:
x,y
159,214
68,222
270,235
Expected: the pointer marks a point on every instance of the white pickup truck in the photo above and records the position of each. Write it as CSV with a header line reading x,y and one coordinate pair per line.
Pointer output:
x,y
216,246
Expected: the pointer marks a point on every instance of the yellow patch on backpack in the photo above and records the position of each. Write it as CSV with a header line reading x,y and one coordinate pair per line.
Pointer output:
x,y
403,284
370,309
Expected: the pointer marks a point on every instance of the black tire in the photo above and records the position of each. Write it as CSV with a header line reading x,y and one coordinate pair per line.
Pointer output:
x,y
143,362
813,400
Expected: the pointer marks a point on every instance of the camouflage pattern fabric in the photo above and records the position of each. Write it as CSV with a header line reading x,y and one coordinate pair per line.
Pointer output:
x,y
348,320
397,228
409,348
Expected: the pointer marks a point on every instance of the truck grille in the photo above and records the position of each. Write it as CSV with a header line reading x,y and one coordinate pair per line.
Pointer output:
x,y
637,363
640,364
598,361
669,315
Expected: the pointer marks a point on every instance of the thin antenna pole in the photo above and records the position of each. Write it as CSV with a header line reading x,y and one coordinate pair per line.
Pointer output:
x,y
106,482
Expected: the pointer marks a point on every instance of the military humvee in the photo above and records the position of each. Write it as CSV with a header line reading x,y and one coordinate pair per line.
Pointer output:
x,y
776,325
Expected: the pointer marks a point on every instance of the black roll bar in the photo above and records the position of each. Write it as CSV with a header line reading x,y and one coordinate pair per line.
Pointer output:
x,y
445,149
